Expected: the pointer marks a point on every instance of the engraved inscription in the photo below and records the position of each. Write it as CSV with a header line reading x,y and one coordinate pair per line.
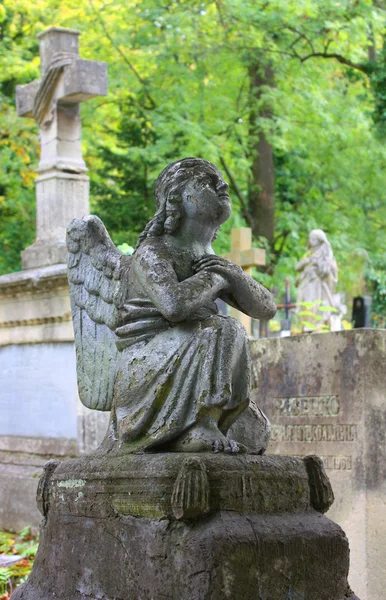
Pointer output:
x,y
306,406
314,433
334,463
337,463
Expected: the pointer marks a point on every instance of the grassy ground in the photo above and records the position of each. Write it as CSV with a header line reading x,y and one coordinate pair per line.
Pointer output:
x,y
23,544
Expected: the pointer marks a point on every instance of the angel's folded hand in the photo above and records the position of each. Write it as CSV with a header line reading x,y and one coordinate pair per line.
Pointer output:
x,y
222,266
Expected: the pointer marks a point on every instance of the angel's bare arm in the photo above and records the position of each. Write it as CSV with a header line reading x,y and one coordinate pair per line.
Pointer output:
x,y
191,299
244,292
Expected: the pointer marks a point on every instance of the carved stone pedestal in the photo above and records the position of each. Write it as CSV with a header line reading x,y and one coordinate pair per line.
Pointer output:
x,y
187,527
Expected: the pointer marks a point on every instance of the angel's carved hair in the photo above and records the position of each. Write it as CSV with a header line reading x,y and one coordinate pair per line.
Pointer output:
x,y
168,191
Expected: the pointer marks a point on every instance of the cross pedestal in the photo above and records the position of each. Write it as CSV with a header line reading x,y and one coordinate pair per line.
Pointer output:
x,y
62,187
245,256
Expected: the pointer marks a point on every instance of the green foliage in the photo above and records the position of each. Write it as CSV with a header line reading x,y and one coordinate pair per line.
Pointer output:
x,y
377,73
180,85
127,165
24,544
19,64
376,285
126,249
5,577
311,318
17,206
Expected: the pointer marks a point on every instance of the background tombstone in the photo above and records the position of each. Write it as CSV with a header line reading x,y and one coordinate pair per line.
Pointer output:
x,y
37,358
326,395
361,311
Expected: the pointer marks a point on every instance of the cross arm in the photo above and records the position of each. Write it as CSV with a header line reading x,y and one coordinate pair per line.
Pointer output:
x,y
25,96
253,257
84,79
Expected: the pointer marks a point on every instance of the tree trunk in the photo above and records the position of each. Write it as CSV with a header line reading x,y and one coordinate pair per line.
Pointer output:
x,y
261,200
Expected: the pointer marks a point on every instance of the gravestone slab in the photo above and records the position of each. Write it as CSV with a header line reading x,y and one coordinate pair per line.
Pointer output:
x,y
326,394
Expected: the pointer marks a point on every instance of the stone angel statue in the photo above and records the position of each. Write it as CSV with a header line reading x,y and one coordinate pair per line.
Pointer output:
x,y
150,344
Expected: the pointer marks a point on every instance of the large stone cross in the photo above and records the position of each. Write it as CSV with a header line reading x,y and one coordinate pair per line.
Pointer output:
x,y
246,257
62,188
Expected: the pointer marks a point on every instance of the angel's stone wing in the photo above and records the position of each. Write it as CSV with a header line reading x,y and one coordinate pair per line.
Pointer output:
x,y
94,265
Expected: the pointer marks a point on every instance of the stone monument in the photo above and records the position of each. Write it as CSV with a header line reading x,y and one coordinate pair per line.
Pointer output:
x,y
317,277
62,188
328,392
37,358
171,504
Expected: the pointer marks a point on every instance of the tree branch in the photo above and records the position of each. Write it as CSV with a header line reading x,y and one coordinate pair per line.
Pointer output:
x,y
238,193
338,57
122,54
276,252
301,36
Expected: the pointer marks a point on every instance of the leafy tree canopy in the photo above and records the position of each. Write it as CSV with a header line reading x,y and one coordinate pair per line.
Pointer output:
x,y
287,97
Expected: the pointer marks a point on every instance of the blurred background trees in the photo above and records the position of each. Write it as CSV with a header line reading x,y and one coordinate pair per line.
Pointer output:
x,y
287,98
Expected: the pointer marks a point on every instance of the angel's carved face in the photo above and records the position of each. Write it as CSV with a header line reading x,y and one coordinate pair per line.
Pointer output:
x,y
206,199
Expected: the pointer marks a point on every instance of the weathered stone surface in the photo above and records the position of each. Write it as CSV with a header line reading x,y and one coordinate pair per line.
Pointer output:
x,y
143,484
35,307
62,189
150,345
37,359
151,348
18,483
327,394
84,79
25,98
55,40
45,388
277,547
252,429
21,464
36,346
60,197
227,556
191,490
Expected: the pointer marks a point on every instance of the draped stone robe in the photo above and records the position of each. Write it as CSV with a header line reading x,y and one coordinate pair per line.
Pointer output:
x,y
172,374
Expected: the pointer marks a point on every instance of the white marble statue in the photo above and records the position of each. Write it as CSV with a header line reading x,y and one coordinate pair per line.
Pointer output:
x,y
317,277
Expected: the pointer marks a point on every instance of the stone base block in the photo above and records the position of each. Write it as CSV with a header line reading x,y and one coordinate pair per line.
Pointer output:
x,y
198,527
227,555
44,253
35,307
18,492
21,464
60,197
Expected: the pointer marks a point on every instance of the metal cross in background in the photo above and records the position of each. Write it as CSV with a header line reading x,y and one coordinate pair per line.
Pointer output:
x,y
286,323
